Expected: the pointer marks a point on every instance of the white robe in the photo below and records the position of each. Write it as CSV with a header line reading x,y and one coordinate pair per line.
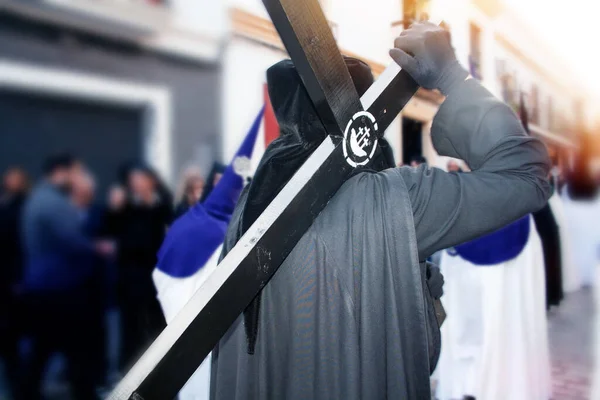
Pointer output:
x,y
596,373
571,277
583,225
495,338
173,294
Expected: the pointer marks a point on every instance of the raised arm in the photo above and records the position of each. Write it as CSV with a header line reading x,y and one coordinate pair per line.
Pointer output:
x,y
509,168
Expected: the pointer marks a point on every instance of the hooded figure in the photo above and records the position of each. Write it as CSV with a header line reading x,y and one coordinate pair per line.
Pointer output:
x,y
581,216
289,151
349,314
496,335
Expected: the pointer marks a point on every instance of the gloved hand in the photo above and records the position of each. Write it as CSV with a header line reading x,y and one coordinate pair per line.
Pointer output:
x,y
425,52
435,280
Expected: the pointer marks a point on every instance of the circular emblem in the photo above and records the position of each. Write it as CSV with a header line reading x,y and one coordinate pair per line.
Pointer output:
x,y
242,166
360,139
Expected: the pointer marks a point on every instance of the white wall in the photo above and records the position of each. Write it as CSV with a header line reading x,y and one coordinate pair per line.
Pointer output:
x,y
554,83
202,17
364,27
245,64
526,77
455,14
255,7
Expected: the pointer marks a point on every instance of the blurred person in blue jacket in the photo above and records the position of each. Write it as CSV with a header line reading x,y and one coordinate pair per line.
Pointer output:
x,y
56,280
12,198
93,220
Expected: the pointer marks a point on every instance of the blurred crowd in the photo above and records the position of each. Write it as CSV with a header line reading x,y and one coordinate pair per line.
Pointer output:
x,y
69,255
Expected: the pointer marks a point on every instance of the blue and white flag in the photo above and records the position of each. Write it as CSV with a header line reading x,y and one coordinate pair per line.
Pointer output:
x,y
191,249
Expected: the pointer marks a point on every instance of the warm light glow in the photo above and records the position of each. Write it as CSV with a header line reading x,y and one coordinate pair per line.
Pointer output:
x,y
572,30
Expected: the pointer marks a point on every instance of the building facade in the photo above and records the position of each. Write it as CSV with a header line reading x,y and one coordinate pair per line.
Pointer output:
x,y
112,81
489,39
179,82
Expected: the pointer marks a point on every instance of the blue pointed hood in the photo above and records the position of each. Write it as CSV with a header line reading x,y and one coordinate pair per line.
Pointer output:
x,y
222,200
196,235
500,246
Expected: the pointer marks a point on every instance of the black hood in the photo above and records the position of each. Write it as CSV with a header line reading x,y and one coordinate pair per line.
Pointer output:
x,y
293,108
301,132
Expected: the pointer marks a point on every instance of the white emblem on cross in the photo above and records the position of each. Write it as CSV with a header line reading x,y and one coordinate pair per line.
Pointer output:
x,y
363,137
360,139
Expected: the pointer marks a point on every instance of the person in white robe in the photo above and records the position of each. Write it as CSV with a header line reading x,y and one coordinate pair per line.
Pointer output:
x,y
571,278
191,250
582,218
495,340
595,390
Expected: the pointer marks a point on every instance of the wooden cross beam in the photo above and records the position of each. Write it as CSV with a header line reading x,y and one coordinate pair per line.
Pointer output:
x,y
353,125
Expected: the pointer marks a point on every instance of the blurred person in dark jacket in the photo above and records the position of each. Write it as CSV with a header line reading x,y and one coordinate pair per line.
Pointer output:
x,y
189,191
92,217
56,280
139,224
214,176
124,174
12,198
415,161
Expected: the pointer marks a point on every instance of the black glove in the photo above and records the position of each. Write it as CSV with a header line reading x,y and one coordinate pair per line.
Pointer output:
x,y
435,280
425,52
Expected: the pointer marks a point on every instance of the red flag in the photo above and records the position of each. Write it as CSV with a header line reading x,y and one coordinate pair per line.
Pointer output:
x,y
271,125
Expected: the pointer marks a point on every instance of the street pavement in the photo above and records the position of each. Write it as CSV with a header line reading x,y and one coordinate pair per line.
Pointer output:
x,y
571,337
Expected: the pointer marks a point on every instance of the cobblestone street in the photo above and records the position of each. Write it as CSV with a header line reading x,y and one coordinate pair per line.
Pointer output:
x,y
572,346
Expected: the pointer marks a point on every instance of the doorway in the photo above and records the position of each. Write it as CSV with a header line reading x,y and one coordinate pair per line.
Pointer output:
x,y
35,126
412,139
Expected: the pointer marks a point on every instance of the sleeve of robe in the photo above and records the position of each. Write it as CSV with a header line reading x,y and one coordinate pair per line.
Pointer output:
x,y
508,178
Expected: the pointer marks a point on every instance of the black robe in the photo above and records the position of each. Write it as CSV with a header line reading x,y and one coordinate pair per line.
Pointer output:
x,y
349,313
547,228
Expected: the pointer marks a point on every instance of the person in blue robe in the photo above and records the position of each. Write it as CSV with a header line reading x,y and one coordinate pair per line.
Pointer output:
x,y
191,248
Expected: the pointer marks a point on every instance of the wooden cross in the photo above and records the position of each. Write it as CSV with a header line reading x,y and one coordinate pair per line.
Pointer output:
x,y
353,125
